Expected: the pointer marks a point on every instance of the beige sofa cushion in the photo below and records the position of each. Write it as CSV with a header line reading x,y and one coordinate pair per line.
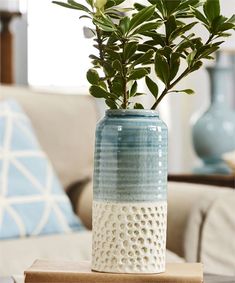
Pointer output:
x,y
213,241
65,127
183,199
19,254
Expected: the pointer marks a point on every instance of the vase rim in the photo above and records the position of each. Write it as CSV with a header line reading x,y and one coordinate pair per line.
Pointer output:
x,y
132,112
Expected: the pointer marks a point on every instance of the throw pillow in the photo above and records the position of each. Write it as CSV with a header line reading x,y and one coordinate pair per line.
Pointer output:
x,y
32,201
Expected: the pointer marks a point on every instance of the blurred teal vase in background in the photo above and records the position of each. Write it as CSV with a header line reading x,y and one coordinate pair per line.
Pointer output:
x,y
214,132
130,193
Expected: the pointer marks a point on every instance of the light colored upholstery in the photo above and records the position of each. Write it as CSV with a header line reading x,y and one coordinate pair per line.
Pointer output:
x,y
214,238
17,255
201,224
182,199
85,211
65,127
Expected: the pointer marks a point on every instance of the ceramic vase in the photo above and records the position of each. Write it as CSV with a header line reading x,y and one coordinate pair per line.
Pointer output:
x,y
130,193
214,131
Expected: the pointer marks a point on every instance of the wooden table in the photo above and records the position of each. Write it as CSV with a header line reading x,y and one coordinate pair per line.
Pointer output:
x,y
207,279
219,279
214,180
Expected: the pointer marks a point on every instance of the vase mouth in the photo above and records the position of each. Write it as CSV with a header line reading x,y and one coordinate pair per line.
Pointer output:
x,y
132,112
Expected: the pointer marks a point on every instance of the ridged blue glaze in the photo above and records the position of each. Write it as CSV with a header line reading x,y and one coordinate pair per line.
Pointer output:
x,y
130,157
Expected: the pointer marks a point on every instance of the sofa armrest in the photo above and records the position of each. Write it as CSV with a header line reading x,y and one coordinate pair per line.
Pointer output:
x,y
210,232
81,196
182,199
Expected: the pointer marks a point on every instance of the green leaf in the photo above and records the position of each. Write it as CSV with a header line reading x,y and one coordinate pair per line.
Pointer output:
x,y
171,6
174,65
159,6
152,86
162,68
186,4
94,57
232,19
196,66
87,17
133,89
130,49
166,51
90,2
118,2
223,34
113,54
144,58
139,6
211,9
191,57
109,4
98,92
78,6
187,91
124,24
182,30
141,17
92,77
65,5
170,26
146,27
117,88
104,23
209,51
103,26
111,103
226,26
103,85
157,38
199,16
117,65
138,106
108,69
138,74
216,24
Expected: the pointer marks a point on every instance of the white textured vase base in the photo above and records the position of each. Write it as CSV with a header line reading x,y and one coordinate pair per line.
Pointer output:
x,y
129,237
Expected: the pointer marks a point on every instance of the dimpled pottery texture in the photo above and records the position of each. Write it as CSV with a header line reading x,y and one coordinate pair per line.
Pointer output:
x,y
130,193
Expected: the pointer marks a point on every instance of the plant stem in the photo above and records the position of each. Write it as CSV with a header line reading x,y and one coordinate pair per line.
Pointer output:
x,y
125,98
159,99
101,53
209,39
165,91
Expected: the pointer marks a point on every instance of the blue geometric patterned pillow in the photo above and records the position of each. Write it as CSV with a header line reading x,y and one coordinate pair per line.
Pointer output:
x,y
32,201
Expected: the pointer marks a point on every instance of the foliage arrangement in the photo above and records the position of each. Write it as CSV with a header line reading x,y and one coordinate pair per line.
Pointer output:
x,y
130,41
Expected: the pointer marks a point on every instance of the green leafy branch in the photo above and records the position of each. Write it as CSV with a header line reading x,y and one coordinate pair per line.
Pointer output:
x,y
129,45
179,43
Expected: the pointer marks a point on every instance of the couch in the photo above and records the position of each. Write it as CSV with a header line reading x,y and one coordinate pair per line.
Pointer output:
x,y
201,222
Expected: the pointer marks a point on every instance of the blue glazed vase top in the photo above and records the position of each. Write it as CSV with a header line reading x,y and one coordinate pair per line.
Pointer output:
x,y
131,112
130,157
